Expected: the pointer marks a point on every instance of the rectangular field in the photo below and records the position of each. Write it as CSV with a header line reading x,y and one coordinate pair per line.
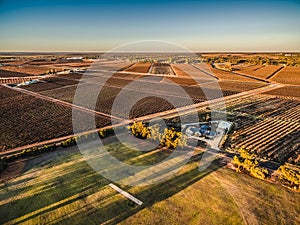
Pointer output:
x,y
26,119
161,68
288,75
189,71
273,133
140,67
29,70
263,72
287,91
223,75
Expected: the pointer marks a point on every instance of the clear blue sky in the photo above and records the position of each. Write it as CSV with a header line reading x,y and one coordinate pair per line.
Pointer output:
x,y
231,25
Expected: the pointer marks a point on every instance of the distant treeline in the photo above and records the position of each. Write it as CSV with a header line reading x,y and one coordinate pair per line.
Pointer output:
x,y
289,60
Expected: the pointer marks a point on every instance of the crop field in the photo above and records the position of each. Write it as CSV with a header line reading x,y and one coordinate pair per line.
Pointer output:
x,y
50,83
7,73
161,68
33,120
110,66
264,72
224,75
29,70
178,71
187,70
60,187
13,62
287,91
227,85
140,67
273,132
246,68
270,139
113,87
118,82
288,75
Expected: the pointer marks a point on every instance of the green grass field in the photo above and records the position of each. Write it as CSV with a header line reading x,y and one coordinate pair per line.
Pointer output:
x,y
61,188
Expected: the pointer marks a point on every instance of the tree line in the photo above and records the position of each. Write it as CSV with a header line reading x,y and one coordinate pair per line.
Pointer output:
x,y
169,137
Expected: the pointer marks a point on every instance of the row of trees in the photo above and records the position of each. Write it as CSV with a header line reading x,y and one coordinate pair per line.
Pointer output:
x,y
248,163
289,177
169,138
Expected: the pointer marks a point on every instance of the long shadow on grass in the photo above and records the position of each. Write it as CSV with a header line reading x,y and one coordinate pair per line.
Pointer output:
x,y
76,179
121,209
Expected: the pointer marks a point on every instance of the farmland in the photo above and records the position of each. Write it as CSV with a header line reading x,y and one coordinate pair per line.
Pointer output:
x,y
30,70
161,68
288,75
142,67
60,187
264,72
287,91
224,75
34,120
271,130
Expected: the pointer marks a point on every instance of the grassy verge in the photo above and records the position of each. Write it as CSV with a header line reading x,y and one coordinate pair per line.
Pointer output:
x,y
64,189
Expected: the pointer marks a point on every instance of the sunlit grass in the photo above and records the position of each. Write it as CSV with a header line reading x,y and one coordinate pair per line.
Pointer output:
x,y
66,190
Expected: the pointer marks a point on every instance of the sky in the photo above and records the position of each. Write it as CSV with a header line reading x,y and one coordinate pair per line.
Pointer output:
x,y
202,26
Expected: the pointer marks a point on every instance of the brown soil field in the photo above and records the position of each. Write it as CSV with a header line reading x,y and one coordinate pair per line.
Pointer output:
x,y
140,67
30,70
187,70
178,71
226,85
224,75
263,72
114,86
162,68
26,119
13,62
50,83
7,73
288,75
287,91
72,64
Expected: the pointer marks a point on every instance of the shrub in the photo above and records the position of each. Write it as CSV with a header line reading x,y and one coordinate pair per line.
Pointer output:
x,y
248,163
289,177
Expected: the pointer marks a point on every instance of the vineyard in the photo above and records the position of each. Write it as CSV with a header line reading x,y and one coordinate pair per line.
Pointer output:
x,y
29,70
287,91
140,67
271,130
264,72
270,139
50,83
33,120
161,68
187,70
148,105
7,73
288,75
223,75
